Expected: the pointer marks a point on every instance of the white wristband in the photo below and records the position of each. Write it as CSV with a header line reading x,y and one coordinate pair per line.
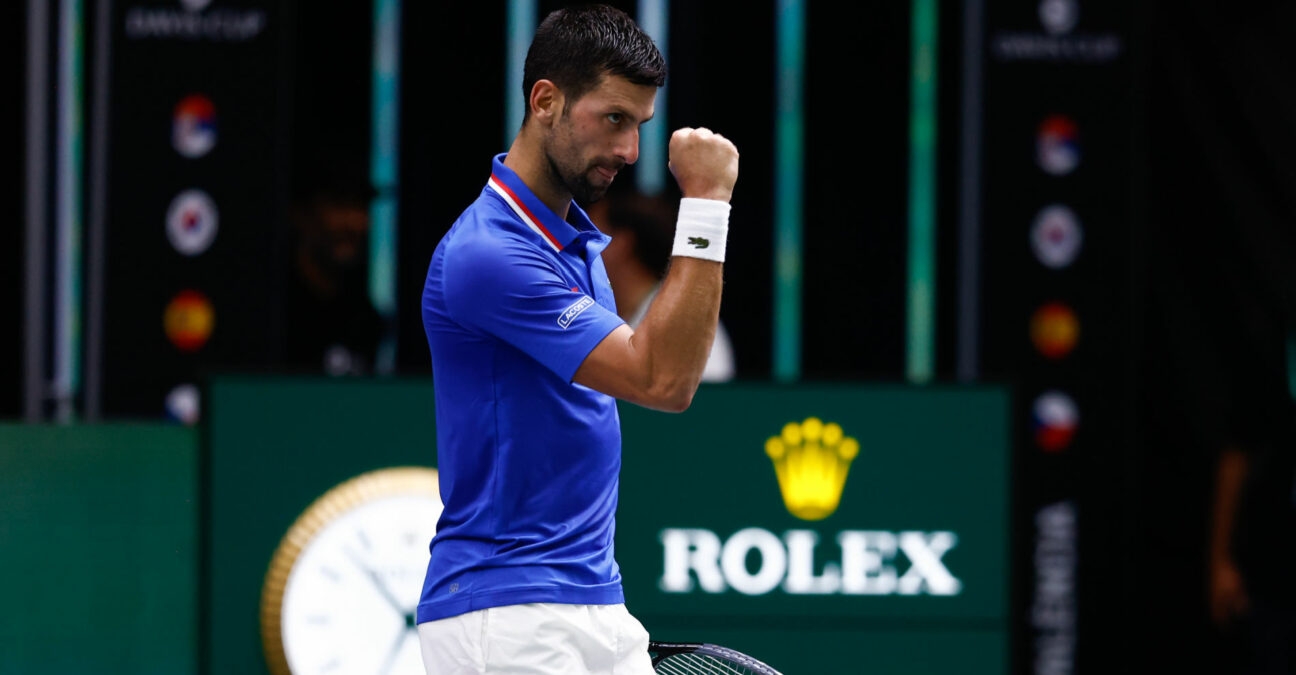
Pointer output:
x,y
702,229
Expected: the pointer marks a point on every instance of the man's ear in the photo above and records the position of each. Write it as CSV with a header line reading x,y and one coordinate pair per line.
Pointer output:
x,y
546,101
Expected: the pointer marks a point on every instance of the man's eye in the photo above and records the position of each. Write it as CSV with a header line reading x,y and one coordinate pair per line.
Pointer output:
x,y
615,118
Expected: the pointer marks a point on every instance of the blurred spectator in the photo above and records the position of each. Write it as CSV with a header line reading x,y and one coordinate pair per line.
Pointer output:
x,y
1222,271
331,324
642,228
1252,554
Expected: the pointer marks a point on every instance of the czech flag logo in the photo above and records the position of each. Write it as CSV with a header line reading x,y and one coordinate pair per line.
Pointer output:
x,y
1055,419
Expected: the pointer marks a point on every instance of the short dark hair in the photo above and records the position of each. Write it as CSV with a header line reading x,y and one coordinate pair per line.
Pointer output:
x,y
576,46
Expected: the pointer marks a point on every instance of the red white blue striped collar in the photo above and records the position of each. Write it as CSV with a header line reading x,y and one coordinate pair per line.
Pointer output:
x,y
528,216
557,232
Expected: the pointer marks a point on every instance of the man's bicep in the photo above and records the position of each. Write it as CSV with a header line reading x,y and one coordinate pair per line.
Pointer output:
x,y
611,367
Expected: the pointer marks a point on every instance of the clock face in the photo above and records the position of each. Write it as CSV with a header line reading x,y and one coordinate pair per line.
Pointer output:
x,y
348,600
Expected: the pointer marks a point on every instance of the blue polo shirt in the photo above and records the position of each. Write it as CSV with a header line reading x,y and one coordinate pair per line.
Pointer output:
x,y
514,301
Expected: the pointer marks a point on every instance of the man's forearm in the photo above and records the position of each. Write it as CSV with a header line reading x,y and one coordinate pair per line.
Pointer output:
x,y
680,325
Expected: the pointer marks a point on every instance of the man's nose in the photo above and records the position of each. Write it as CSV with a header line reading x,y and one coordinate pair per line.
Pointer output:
x,y
628,146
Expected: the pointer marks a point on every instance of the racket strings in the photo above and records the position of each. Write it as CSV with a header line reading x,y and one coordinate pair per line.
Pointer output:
x,y
698,664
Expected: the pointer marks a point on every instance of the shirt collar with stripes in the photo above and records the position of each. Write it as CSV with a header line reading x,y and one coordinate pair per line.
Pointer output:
x,y
538,217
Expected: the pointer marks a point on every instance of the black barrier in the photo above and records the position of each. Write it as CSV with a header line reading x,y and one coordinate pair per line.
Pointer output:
x,y
195,181
1059,235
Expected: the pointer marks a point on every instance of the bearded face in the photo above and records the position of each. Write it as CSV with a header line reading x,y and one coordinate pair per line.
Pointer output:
x,y
595,136
571,166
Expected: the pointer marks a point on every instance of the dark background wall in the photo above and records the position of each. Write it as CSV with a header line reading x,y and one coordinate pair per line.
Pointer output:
x,y
1189,186
11,234
1217,279
854,270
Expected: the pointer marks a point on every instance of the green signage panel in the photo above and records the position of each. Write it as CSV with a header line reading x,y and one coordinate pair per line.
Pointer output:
x,y
98,548
804,523
273,446
853,502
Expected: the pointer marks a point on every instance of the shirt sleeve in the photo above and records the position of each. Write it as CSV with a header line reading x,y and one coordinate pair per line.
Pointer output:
x,y
507,289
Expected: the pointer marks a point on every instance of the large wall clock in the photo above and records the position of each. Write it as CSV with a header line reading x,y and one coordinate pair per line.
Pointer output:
x,y
343,584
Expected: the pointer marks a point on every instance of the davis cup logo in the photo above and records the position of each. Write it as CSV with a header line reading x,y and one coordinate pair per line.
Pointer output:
x,y
1056,236
193,126
191,222
1057,145
1059,16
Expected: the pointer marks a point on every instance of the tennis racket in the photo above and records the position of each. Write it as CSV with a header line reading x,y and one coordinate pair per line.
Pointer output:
x,y
697,658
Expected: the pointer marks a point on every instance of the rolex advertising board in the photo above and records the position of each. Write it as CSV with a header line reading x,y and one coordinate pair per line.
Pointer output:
x,y
774,515
799,523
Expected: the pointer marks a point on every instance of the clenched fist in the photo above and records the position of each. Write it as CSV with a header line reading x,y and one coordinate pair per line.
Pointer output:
x,y
704,163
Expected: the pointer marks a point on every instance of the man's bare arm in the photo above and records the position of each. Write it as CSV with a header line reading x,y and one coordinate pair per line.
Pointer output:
x,y
660,364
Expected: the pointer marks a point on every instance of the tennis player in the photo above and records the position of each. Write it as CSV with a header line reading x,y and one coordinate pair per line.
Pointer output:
x,y
529,358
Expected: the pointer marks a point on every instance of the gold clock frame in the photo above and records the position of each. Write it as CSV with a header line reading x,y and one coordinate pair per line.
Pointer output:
x,y
375,484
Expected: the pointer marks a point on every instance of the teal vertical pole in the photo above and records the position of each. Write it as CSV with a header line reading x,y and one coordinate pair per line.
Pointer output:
x,y
67,321
920,344
35,213
521,25
650,177
384,170
789,157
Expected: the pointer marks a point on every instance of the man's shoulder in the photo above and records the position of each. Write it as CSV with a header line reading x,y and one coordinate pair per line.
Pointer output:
x,y
487,216
488,247
486,207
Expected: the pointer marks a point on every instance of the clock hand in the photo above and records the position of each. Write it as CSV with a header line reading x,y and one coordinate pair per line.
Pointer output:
x,y
377,582
391,654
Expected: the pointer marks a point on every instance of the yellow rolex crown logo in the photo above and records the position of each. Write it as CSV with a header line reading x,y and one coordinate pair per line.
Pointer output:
x,y
811,460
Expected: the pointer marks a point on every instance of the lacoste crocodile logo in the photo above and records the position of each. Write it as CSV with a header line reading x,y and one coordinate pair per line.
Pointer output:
x,y
699,242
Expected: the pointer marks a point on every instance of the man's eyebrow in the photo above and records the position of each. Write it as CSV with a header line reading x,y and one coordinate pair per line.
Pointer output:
x,y
632,116
624,112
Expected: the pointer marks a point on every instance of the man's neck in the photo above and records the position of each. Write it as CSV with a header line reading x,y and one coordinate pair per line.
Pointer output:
x,y
527,160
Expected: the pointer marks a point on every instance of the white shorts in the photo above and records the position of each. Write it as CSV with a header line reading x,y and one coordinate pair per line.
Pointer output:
x,y
537,639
